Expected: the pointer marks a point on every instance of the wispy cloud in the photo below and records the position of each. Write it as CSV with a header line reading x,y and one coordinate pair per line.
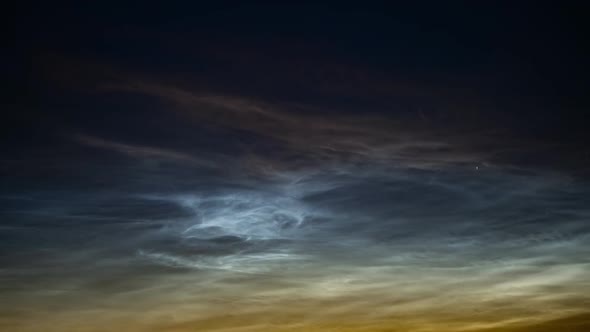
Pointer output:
x,y
319,138
139,151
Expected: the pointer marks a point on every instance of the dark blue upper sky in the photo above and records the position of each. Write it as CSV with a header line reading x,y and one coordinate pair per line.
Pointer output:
x,y
518,67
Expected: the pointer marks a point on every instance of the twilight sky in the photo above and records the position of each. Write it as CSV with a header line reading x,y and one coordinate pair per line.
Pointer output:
x,y
296,167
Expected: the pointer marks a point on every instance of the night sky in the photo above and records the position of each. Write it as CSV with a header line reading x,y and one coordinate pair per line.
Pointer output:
x,y
270,166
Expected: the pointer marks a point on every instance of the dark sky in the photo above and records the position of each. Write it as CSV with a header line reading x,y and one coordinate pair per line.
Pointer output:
x,y
522,65
513,72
